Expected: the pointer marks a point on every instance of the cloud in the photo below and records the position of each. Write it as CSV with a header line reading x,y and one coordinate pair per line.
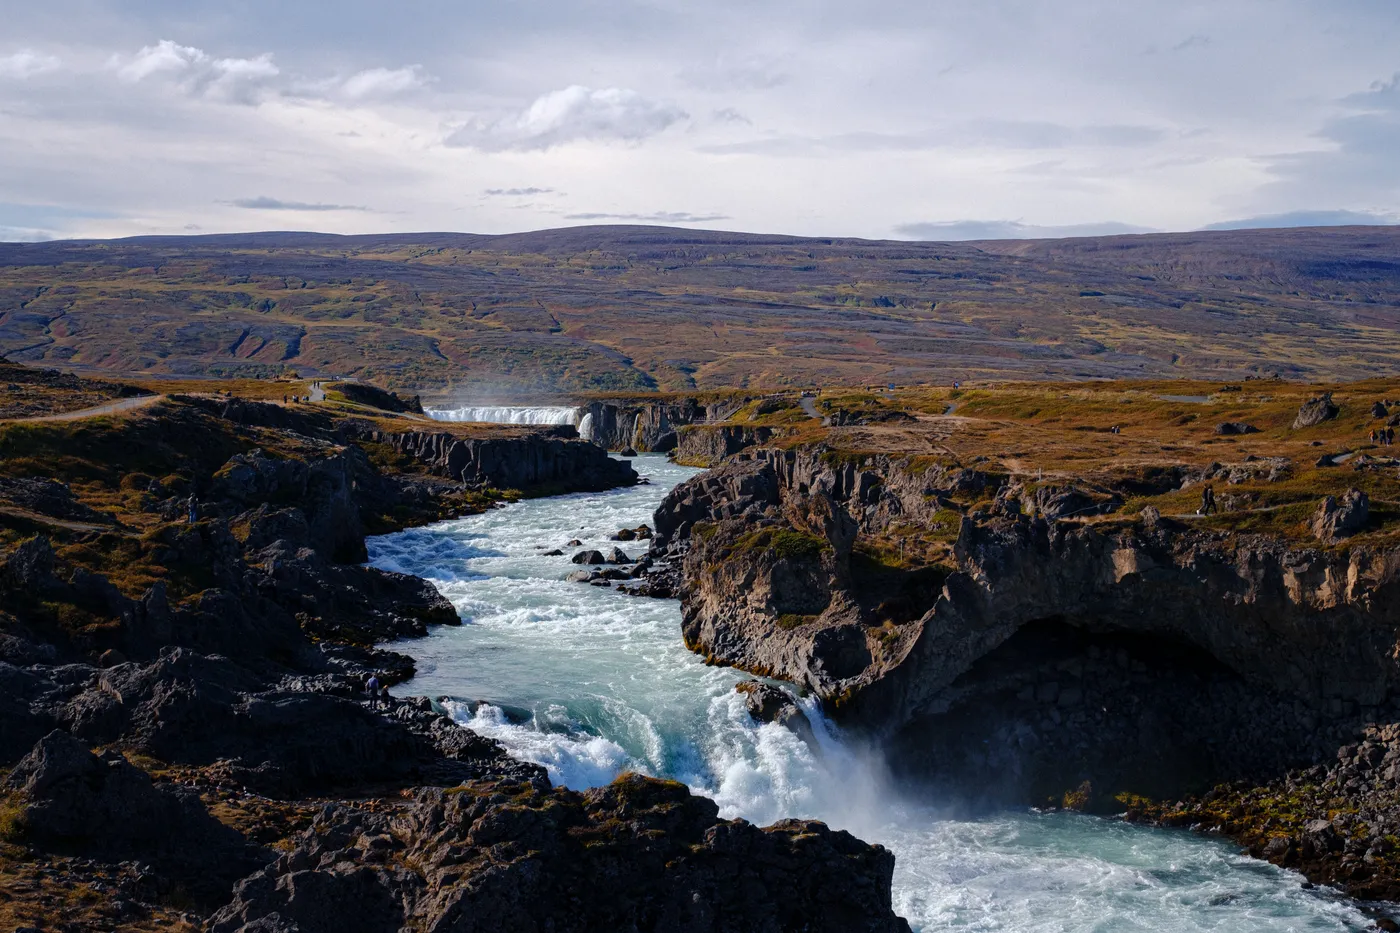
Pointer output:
x,y
263,203
573,114
1308,219
655,217
240,80
1009,230
26,63
1196,41
1358,170
383,82
516,192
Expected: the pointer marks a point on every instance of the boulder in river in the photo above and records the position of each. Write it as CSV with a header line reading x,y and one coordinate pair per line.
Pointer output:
x,y
618,556
767,703
589,557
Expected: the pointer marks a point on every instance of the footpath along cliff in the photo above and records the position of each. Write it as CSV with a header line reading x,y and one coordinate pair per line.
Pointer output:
x,y
182,700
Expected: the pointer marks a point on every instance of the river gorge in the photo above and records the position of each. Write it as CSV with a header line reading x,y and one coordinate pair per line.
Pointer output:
x,y
589,683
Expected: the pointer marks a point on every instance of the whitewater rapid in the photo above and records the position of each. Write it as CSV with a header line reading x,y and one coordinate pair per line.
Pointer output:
x,y
589,683
506,414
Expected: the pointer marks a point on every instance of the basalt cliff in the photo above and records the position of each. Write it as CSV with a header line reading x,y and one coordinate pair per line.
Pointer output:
x,y
1022,611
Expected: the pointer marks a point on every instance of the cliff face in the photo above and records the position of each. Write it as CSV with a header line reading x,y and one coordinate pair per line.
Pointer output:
x,y
651,426
553,458
707,445
1054,640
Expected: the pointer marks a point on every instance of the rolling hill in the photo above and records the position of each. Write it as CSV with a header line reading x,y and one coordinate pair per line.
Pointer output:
x,y
617,308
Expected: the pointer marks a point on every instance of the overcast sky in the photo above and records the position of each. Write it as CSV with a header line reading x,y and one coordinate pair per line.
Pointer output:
x,y
927,119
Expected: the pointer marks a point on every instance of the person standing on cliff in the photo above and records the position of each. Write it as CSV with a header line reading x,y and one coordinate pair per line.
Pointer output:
x,y
372,688
1207,500
194,509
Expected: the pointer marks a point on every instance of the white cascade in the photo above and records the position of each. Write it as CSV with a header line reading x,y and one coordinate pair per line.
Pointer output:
x,y
506,414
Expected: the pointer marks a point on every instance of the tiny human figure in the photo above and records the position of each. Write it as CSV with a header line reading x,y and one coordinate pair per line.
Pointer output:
x,y
193,509
372,688
1207,501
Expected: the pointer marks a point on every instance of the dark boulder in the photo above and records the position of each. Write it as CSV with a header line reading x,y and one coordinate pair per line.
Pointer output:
x,y
589,557
1235,427
1378,410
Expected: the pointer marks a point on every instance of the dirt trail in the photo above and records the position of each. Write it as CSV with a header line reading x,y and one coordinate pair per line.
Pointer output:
x,y
41,519
107,408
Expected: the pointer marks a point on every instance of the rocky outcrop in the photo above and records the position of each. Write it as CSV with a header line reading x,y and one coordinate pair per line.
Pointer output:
x,y
70,800
1315,411
638,854
1337,519
552,459
650,425
364,394
707,445
1335,822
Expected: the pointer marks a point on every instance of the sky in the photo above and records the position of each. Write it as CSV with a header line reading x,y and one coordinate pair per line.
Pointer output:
x,y
915,119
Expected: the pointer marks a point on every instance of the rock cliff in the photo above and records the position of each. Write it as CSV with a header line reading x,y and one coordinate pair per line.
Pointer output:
x,y
553,459
1039,648
650,425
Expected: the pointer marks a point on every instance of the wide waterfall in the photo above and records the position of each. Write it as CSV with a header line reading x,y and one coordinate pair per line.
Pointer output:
x,y
506,414
589,683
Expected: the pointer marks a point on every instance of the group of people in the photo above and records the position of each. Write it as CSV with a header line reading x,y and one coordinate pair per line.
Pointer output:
x,y
301,398
1207,501
377,693
1384,437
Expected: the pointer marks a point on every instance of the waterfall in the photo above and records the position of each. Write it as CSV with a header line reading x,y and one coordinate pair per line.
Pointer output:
x,y
585,426
506,414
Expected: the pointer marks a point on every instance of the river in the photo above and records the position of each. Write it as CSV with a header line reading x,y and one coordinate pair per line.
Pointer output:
x,y
588,683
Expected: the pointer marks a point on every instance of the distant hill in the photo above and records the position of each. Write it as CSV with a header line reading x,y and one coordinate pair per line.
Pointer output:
x,y
631,308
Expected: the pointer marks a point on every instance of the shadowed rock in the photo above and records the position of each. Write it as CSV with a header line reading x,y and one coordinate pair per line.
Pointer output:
x,y
638,854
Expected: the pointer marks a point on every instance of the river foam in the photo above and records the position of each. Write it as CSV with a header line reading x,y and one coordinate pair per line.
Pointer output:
x,y
589,683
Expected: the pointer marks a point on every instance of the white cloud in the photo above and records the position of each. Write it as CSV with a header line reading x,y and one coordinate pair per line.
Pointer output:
x,y
241,80
573,114
163,57
383,82
26,63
